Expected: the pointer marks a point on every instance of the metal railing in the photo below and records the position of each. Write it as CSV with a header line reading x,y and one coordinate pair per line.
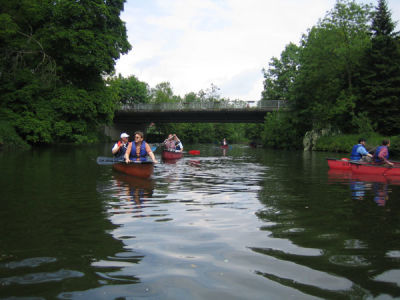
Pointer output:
x,y
214,106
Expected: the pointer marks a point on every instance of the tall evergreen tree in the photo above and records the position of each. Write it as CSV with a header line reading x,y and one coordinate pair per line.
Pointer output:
x,y
380,74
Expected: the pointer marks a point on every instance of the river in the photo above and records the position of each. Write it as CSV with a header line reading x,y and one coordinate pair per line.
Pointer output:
x,y
241,223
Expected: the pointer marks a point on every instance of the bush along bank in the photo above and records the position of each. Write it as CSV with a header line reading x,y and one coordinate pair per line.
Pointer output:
x,y
9,139
343,143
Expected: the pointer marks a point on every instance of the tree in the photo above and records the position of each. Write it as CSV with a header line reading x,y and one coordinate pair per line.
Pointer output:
x,y
330,59
130,90
54,55
163,93
380,82
281,74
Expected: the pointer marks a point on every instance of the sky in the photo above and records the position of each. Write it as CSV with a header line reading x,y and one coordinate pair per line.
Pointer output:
x,y
194,44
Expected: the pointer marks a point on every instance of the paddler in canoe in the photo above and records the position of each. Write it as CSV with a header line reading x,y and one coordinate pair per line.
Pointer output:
x,y
119,149
359,152
169,143
140,150
381,154
178,143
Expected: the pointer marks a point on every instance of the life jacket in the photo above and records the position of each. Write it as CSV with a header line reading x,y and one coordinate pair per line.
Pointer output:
x,y
142,154
178,146
379,149
354,154
122,150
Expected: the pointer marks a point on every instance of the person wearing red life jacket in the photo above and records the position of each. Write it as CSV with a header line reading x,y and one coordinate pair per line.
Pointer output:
x,y
120,147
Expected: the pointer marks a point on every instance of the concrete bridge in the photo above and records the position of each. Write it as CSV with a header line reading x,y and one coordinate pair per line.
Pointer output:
x,y
139,116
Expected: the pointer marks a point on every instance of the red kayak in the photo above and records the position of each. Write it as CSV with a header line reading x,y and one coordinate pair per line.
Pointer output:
x,y
224,146
170,154
139,169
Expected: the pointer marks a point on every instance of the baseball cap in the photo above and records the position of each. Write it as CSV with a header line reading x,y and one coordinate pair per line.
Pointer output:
x,y
124,135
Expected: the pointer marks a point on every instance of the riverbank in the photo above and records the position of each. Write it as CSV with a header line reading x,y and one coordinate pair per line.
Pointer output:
x,y
343,143
10,139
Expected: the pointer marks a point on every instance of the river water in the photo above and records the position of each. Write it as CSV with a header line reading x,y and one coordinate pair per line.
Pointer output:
x,y
241,223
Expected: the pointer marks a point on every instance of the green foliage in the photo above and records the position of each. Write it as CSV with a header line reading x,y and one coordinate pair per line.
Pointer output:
x,y
163,93
281,74
205,132
281,132
395,145
9,138
330,58
53,57
362,124
130,90
380,80
345,142
342,76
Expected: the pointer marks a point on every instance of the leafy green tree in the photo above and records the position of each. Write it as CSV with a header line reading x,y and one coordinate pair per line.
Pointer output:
x,y
163,93
54,55
281,131
281,74
130,90
330,58
380,81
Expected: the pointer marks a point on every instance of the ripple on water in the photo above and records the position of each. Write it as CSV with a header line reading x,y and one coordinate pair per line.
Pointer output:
x,y
393,254
28,263
354,244
36,278
349,260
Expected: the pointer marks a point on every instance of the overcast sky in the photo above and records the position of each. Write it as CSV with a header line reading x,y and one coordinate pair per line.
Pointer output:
x,y
195,43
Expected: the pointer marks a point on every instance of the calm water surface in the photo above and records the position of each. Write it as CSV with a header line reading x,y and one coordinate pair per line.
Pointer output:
x,y
228,224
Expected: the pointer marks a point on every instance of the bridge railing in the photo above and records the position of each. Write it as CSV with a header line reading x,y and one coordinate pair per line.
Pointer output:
x,y
195,106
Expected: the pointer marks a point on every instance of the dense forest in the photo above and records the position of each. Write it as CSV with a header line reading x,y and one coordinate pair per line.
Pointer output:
x,y
58,82
342,78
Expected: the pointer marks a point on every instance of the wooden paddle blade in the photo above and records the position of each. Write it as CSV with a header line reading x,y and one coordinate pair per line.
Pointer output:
x,y
194,152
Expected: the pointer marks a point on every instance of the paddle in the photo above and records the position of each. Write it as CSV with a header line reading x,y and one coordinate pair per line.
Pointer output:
x,y
104,160
194,152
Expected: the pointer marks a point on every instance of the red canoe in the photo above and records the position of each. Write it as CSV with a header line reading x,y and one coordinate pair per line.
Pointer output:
x,y
140,169
224,146
168,154
373,169
339,164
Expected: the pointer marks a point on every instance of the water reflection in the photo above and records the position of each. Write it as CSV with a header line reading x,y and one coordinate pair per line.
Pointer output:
x,y
254,224
133,189
362,186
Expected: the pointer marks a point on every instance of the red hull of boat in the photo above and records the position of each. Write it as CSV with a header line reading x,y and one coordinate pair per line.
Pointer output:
x,y
224,146
370,169
338,164
349,176
138,169
171,155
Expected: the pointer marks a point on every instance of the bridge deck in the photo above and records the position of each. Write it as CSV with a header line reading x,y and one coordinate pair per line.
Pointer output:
x,y
197,112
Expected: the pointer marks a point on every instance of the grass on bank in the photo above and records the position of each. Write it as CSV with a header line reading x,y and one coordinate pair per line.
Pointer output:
x,y
344,143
